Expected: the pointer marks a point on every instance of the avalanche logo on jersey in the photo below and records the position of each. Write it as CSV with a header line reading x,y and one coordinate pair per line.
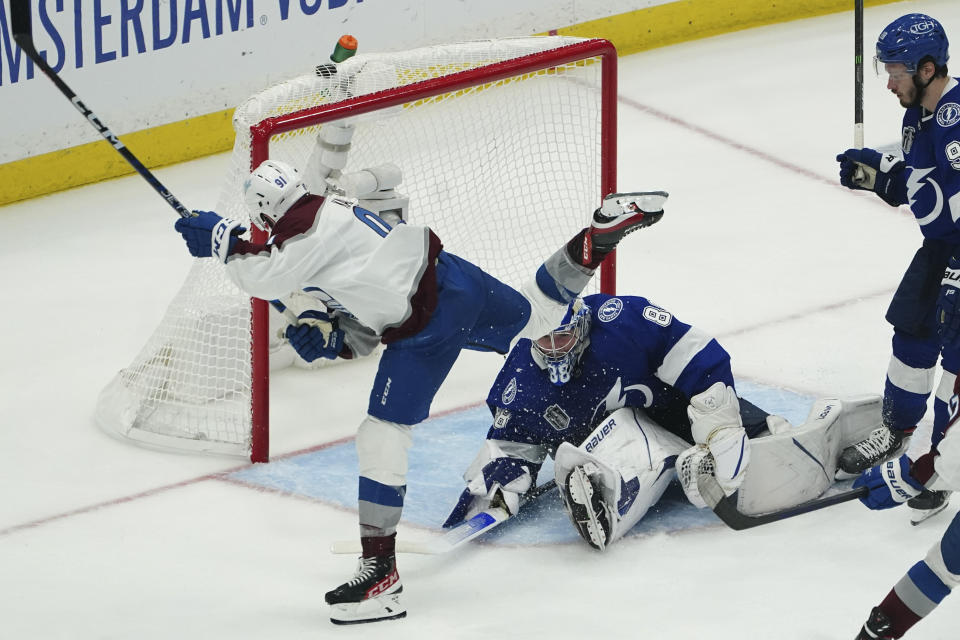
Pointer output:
x,y
948,114
510,392
610,310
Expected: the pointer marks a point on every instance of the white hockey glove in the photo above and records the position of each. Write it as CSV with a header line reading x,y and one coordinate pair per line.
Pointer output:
x,y
375,188
494,478
716,427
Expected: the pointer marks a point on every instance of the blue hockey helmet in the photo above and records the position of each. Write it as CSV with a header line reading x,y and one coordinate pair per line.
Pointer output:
x,y
560,350
909,39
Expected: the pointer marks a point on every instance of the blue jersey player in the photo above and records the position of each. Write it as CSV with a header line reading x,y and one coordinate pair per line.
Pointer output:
x,y
573,393
912,52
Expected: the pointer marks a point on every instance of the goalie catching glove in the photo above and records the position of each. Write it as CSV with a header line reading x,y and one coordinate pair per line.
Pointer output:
x,y
882,174
722,449
317,335
208,234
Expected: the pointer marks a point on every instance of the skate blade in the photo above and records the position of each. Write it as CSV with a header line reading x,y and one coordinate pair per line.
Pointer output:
x,y
922,515
377,609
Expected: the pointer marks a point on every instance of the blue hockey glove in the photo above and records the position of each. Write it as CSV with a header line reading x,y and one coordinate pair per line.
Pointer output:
x,y
890,484
948,306
209,235
316,336
881,173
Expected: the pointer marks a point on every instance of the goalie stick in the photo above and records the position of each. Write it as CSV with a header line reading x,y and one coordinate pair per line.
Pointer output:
x,y
23,35
726,506
459,535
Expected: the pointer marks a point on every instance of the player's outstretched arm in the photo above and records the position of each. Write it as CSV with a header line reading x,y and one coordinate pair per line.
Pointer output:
x,y
209,235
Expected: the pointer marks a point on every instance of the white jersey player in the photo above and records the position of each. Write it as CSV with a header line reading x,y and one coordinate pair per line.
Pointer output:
x,y
392,282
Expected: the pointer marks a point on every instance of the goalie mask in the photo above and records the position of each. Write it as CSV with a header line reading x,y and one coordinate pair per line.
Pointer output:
x,y
271,189
560,350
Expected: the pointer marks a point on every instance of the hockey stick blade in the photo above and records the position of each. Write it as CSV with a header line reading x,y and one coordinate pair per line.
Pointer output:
x,y
20,21
459,535
726,506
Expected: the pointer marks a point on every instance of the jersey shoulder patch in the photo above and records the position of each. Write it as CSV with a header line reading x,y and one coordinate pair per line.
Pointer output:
x,y
948,114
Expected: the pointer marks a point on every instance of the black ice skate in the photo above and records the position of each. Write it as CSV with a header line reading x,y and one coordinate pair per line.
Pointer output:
x,y
877,627
881,445
373,594
927,504
623,213
586,507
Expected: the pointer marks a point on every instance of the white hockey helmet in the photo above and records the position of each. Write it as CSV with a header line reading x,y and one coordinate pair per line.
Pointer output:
x,y
560,350
271,189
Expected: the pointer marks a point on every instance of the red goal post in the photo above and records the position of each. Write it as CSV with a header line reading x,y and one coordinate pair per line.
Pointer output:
x,y
506,147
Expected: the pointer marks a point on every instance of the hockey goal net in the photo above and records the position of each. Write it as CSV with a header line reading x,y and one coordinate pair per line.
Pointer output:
x,y
506,147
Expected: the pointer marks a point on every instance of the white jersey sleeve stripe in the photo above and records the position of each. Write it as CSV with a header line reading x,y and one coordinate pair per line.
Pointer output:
x,y
680,355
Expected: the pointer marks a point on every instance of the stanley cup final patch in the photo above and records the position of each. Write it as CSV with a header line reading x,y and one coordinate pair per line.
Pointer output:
x,y
501,418
557,417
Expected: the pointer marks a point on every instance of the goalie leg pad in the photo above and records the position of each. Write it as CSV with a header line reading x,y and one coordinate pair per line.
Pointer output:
x,y
798,464
629,462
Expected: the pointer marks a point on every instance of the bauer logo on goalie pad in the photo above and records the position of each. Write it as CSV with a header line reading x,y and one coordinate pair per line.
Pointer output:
x,y
610,310
557,417
599,434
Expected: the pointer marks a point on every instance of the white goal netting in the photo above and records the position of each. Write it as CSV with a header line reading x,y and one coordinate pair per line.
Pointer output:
x,y
505,147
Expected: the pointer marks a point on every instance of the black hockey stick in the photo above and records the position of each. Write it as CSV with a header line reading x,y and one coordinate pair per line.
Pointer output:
x,y
23,34
726,506
859,175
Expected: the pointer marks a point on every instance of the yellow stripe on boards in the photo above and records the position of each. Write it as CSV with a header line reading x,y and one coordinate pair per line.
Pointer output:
x,y
639,30
95,161
687,20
